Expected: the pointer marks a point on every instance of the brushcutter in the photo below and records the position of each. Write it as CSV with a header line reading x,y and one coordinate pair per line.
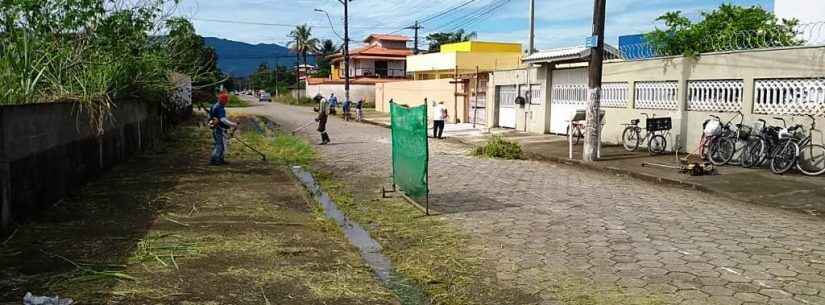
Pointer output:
x,y
303,127
263,157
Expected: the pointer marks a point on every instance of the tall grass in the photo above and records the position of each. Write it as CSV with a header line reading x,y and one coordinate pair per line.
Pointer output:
x,y
91,54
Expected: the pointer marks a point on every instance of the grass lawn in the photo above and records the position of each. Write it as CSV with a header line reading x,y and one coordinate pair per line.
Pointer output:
x,y
236,101
166,228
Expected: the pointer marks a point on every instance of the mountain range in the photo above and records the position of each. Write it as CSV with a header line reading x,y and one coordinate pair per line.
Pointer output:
x,y
240,59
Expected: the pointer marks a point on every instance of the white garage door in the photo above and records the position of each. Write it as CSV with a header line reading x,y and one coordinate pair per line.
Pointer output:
x,y
569,95
506,106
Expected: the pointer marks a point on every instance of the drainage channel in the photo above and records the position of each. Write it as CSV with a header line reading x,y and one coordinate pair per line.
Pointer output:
x,y
370,250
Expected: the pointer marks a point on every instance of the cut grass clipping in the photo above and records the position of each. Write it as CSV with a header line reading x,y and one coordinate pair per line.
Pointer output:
x,y
498,147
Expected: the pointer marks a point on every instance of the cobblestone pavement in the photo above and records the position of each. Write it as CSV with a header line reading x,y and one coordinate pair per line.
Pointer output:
x,y
541,220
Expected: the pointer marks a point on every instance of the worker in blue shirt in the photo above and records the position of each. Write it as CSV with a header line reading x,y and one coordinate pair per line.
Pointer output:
x,y
219,124
333,102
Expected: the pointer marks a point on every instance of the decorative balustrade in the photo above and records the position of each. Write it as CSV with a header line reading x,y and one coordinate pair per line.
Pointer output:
x,y
657,95
614,95
570,94
789,96
715,95
536,95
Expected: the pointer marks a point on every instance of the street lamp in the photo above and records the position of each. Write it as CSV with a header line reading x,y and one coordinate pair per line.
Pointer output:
x,y
330,22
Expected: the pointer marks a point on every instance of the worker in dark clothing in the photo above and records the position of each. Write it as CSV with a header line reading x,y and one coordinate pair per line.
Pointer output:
x,y
323,113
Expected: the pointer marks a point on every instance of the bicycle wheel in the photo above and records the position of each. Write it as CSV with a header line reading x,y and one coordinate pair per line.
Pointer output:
x,y
754,153
657,144
811,160
630,138
784,158
721,151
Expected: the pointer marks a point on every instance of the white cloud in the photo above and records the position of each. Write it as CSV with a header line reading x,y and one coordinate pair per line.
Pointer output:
x,y
559,22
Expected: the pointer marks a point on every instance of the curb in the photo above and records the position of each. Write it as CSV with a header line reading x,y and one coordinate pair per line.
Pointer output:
x,y
595,167
379,124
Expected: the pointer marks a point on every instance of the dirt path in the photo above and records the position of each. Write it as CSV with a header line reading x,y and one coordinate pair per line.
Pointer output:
x,y
168,229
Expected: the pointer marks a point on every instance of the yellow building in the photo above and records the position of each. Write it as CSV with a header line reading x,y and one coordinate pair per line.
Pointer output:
x,y
464,58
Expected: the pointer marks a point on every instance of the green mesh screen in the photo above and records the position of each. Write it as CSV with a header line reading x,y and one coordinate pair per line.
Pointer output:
x,y
410,152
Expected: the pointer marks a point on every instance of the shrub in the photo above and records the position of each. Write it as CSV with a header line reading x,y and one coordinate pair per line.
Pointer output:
x,y
235,101
291,100
498,147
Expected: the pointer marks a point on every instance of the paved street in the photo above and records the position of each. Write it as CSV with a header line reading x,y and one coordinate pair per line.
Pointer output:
x,y
541,221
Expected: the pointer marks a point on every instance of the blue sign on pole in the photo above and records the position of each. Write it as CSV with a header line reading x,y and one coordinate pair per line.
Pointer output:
x,y
591,42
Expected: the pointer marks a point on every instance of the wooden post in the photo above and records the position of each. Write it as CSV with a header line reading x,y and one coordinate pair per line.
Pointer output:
x,y
475,102
592,136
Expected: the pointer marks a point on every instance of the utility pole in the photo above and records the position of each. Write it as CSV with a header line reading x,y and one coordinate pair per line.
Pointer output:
x,y
416,27
592,136
532,46
346,47
297,63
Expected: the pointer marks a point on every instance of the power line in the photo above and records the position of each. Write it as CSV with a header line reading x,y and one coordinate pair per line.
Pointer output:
x,y
466,17
448,11
442,13
278,24
481,16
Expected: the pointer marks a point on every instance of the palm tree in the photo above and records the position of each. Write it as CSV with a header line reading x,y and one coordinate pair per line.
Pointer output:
x,y
303,42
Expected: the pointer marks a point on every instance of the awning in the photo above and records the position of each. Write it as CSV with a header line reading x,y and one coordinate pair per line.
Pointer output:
x,y
569,54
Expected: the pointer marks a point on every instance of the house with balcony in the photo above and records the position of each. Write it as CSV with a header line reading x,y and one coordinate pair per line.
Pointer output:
x,y
382,57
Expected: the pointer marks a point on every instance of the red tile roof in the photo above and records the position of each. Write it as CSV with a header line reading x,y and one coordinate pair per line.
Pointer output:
x,y
386,37
357,81
374,50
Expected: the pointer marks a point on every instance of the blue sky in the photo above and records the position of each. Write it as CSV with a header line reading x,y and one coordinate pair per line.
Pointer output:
x,y
559,23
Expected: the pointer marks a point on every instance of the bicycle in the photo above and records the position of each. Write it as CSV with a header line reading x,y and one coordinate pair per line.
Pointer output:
x,y
655,131
725,138
762,146
798,149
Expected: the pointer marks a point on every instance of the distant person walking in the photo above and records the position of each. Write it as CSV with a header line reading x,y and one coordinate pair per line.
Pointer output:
x,y
439,116
333,103
323,109
347,108
359,110
220,125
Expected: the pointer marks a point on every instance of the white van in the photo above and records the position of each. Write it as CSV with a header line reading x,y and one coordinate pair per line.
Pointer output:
x,y
265,97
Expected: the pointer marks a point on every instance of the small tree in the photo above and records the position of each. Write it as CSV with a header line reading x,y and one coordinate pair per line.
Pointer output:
x,y
303,43
730,27
438,39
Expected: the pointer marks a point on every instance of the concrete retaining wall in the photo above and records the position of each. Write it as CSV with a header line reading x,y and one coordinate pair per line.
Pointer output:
x,y
356,91
49,150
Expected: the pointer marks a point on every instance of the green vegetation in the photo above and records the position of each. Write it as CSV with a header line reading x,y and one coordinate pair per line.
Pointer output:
x,y
280,78
438,39
235,101
290,100
96,52
327,48
279,147
427,250
169,229
730,27
498,147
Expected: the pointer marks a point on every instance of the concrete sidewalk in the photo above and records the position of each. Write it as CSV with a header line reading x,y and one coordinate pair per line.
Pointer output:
x,y
760,186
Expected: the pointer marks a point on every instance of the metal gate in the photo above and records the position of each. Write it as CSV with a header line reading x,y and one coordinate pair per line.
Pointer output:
x,y
506,96
478,104
569,95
